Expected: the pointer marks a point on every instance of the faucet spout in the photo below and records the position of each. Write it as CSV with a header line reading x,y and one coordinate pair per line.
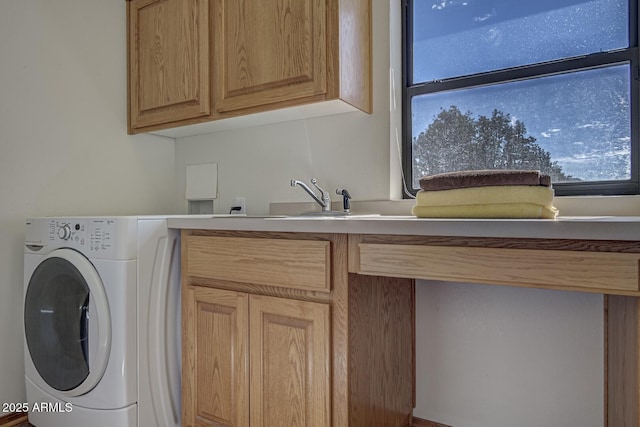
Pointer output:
x,y
323,200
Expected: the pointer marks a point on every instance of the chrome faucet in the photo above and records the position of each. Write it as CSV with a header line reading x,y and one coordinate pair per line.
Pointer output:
x,y
323,200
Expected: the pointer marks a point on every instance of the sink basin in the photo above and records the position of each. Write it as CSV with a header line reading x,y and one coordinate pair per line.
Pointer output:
x,y
325,215
337,215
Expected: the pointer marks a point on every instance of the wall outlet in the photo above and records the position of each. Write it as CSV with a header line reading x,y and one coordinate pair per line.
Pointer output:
x,y
240,202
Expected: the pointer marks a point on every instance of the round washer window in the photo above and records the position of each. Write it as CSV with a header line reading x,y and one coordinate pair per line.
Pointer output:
x,y
58,315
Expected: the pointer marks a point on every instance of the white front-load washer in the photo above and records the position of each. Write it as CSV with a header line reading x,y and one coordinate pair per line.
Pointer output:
x,y
101,322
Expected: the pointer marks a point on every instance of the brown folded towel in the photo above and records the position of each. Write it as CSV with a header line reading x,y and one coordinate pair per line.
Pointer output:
x,y
483,178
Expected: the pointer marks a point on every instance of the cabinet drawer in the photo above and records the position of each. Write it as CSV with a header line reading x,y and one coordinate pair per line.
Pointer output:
x,y
577,270
298,264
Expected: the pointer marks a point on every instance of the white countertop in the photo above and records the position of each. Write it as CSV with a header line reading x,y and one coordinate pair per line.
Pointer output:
x,y
587,228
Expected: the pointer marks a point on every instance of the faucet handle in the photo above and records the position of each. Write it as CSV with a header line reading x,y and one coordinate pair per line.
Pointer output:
x,y
315,184
325,195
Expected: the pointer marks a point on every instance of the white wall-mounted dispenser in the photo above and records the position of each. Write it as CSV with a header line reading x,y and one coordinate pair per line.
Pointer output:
x,y
201,188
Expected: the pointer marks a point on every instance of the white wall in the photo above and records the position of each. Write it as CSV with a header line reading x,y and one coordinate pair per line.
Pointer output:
x,y
490,356
63,143
486,355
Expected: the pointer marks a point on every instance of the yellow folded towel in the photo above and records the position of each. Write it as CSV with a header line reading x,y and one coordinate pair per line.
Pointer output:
x,y
487,195
496,210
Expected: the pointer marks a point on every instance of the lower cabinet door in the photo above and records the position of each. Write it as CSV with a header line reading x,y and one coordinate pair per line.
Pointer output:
x,y
254,361
289,363
215,376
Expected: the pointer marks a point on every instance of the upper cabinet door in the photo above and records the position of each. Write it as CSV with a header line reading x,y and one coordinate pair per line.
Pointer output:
x,y
268,51
168,50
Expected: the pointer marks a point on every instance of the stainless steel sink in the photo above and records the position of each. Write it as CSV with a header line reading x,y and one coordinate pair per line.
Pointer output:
x,y
324,216
307,216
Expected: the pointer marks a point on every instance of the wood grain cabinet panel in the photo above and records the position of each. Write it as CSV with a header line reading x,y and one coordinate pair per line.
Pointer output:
x,y
168,49
271,51
215,357
604,272
286,345
289,363
194,61
297,264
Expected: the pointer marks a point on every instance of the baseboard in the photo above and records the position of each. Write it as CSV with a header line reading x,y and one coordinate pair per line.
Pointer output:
x,y
418,422
12,420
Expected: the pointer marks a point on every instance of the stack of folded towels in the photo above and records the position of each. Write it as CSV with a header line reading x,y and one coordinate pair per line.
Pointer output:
x,y
486,194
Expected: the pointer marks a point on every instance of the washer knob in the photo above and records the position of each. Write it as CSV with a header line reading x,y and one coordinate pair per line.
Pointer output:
x,y
64,232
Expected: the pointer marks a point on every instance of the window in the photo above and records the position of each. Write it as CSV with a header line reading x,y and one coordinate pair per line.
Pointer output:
x,y
549,85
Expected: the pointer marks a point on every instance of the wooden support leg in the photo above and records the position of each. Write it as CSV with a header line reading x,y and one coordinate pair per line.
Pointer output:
x,y
381,351
622,361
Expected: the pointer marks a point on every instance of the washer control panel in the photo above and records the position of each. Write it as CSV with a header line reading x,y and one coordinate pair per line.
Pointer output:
x,y
91,235
112,238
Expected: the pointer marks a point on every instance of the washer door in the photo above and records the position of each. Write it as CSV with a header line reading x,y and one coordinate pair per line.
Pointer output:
x,y
67,322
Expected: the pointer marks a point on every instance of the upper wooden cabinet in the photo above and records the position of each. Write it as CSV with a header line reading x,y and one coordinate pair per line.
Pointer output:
x,y
168,61
270,51
192,61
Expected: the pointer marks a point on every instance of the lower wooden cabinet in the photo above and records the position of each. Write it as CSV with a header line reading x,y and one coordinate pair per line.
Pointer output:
x,y
215,381
257,358
276,332
289,363
294,329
